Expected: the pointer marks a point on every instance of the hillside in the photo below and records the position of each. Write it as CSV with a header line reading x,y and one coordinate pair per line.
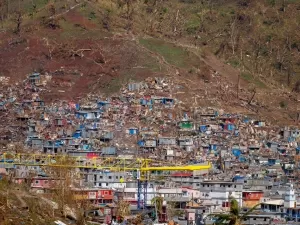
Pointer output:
x,y
209,47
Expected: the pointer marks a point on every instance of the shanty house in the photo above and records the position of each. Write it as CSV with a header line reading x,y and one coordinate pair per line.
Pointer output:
x,y
36,143
108,151
167,141
107,136
94,195
148,143
132,131
88,115
104,105
34,78
185,141
146,101
2,106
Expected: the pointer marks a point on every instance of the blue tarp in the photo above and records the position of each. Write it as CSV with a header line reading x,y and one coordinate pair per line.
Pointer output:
x,y
242,159
246,120
203,128
167,101
231,127
291,139
133,131
146,102
213,147
271,162
141,143
58,143
236,152
86,147
238,177
77,134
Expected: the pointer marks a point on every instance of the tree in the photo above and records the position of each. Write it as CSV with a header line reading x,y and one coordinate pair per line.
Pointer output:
x,y
18,19
157,201
106,21
63,172
233,34
172,211
235,217
123,209
129,11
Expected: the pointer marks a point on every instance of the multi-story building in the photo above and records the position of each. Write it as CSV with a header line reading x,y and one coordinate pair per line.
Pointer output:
x,y
220,192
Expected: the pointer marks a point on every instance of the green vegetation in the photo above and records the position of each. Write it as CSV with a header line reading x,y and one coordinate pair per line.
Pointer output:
x,y
235,216
173,54
117,83
283,104
234,63
261,35
34,5
254,80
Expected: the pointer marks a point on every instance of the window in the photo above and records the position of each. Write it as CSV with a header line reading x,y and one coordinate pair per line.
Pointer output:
x,y
254,218
117,177
234,186
101,177
109,177
121,177
36,181
105,192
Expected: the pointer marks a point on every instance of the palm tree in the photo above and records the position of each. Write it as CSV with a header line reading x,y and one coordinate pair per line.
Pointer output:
x,y
157,201
235,217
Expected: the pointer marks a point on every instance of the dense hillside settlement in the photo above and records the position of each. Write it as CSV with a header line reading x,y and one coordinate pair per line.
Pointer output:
x,y
138,155
149,112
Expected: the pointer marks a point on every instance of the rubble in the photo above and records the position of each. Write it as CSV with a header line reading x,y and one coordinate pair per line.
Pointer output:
x,y
147,119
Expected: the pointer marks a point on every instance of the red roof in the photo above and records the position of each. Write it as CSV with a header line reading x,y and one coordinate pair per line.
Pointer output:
x,y
182,174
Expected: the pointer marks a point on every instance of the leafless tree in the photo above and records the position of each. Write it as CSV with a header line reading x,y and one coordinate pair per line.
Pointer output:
x,y
18,19
233,34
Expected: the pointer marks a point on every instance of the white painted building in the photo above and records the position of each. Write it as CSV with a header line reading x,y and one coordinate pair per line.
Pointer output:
x,y
220,192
